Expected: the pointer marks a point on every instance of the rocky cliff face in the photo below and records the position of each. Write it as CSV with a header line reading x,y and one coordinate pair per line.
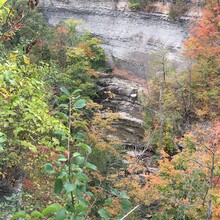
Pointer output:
x,y
125,101
131,39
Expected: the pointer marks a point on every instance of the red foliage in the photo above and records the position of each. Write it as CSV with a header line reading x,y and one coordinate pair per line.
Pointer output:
x,y
216,182
33,43
27,183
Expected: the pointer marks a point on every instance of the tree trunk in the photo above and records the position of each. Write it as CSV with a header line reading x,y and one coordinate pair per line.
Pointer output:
x,y
161,116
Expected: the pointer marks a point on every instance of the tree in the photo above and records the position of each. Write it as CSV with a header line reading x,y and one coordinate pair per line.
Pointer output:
x,y
204,47
186,187
45,123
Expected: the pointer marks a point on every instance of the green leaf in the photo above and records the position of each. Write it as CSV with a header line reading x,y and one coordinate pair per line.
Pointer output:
x,y
114,192
1,148
89,194
60,132
51,209
2,139
65,106
58,186
81,177
125,205
74,217
76,168
123,195
48,168
62,158
58,163
79,160
90,166
63,98
85,147
69,187
80,123
62,174
21,214
80,103
62,115
80,136
61,214
37,215
69,207
61,149
65,91
104,214
32,148
28,217
13,83
76,91
76,154
80,207
108,201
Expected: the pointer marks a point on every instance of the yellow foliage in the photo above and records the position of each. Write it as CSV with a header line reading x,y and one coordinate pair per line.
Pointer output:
x,y
26,60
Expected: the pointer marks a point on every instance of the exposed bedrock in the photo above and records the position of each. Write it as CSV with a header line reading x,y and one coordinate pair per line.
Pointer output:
x,y
121,96
130,37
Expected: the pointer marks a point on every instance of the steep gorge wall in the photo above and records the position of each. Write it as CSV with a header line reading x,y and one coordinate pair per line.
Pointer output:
x,y
130,37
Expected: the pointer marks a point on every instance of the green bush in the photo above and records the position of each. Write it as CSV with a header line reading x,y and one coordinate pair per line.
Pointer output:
x,y
177,10
134,5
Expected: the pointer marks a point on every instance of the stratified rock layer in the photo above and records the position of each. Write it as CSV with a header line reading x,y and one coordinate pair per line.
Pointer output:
x,y
130,37
121,96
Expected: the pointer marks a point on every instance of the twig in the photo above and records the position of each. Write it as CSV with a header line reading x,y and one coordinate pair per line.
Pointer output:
x,y
69,147
11,9
3,34
130,212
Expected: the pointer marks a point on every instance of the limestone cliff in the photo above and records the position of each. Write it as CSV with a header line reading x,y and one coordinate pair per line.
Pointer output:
x,y
131,39
125,101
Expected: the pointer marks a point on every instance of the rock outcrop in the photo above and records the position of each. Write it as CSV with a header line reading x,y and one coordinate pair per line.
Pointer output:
x,y
122,96
130,37
131,40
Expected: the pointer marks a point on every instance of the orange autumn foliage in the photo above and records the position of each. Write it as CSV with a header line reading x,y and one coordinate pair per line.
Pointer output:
x,y
188,183
203,46
205,35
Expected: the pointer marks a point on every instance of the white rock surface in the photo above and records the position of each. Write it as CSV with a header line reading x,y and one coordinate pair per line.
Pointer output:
x,y
130,37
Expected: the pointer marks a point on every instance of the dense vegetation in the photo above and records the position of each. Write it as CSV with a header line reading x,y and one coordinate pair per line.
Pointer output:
x,y
175,8
54,139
